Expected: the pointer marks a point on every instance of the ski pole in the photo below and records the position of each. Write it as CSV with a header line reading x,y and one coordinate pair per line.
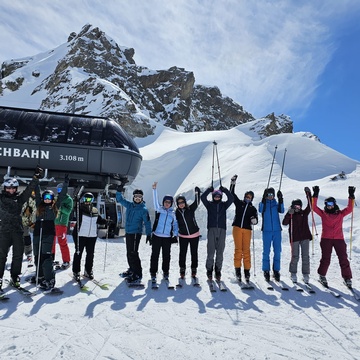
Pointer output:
x,y
213,161
282,169
107,237
351,226
39,254
291,238
78,219
253,241
313,226
272,164
218,163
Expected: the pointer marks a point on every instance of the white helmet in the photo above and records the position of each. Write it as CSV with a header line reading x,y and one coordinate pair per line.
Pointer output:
x,y
11,183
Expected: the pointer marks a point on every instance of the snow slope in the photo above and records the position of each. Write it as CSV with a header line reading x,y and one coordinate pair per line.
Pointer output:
x,y
192,323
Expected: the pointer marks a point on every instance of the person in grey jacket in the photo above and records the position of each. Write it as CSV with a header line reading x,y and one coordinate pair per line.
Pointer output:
x,y
216,225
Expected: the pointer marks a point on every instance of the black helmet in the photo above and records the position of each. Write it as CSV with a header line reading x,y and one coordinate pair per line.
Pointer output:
x,y
270,191
180,197
296,202
168,198
249,193
87,198
330,200
48,195
138,192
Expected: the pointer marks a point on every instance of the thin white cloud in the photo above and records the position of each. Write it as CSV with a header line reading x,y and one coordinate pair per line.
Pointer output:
x,y
267,55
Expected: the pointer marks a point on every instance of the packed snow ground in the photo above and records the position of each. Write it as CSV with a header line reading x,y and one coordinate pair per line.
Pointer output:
x,y
192,323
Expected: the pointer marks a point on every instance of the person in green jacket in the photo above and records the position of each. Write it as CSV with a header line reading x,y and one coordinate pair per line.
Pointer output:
x,y
61,227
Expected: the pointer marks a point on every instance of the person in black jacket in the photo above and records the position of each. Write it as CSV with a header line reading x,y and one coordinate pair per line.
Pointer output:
x,y
216,224
11,228
189,233
245,217
300,236
85,235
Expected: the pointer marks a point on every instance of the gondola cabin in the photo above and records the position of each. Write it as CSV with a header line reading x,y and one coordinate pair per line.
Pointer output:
x,y
95,151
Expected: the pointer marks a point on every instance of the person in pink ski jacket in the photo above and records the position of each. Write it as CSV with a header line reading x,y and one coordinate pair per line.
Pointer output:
x,y
332,234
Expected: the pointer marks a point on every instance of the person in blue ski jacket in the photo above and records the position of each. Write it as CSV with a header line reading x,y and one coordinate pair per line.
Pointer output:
x,y
271,231
165,232
137,216
216,225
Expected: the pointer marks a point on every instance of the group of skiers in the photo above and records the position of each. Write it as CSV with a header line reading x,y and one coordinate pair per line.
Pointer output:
x,y
49,219
179,226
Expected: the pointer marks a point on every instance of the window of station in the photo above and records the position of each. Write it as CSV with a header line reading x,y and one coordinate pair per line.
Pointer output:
x,y
79,131
55,130
31,127
97,128
8,125
114,136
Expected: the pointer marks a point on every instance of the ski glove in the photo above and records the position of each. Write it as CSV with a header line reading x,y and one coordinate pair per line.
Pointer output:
x,y
253,220
233,180
120,187
222,188
211,188
280,197
197,190
174,240
38,172
352,192
316,190
307,192
149,240
291,211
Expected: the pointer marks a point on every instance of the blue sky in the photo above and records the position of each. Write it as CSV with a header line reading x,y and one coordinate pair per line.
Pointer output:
x,y
291,57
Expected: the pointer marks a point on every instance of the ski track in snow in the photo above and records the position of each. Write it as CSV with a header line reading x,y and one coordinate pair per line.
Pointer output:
x,y
133,323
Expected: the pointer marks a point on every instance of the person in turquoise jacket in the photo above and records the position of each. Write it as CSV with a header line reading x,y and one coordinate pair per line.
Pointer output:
x,y
271,231
137,216
165,233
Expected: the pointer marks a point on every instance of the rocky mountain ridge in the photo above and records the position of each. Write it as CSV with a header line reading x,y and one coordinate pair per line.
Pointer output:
x,y
91,74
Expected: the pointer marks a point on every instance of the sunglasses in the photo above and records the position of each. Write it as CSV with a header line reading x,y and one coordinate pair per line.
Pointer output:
x,y
167,202
138,196
88,199
48,197
330,203
181,202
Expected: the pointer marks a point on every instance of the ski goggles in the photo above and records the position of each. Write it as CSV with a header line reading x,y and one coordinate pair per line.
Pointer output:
x,y
181,202
138,196
48,197
270,194
88,199
330,203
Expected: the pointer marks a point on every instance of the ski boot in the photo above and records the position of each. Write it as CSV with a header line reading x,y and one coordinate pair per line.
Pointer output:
x,y
182,273
166,276
65,265
209,275
133,279
277,275
293,277
126,273
238,274
247,275
267,276
193,272
323,280
76,276
89,274
15,281
306,278
348,283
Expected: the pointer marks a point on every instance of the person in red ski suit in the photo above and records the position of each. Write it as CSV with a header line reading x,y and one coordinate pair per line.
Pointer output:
x,y
332,234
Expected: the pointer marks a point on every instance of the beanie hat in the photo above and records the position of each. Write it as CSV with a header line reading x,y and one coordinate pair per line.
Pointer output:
x,y
270,191
296,202
249,193
168,197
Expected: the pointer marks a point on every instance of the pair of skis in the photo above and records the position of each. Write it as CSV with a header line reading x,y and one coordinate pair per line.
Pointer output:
x,y
26,292
155,285
194,282
216,284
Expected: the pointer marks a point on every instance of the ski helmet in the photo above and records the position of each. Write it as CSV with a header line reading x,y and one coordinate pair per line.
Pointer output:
x,y
11,183
330,200
48,195
180,198
270,191
217,193
168,198
59,188
87,198
249,193
138,192
296,202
